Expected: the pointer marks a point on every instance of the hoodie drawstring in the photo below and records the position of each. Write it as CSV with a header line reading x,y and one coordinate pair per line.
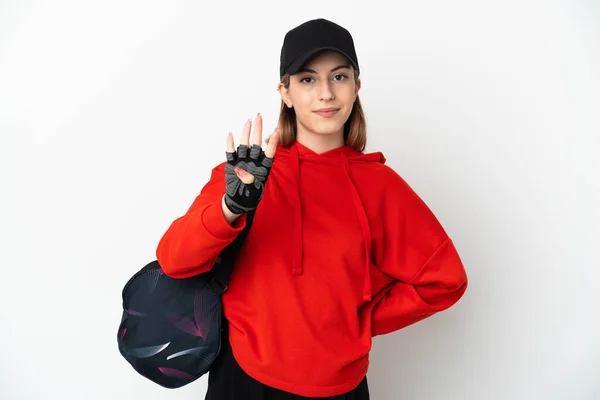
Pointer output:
x,y
364,224
360,211
297,233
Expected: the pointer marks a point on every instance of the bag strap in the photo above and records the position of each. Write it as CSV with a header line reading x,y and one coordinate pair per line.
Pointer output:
x,y
224,264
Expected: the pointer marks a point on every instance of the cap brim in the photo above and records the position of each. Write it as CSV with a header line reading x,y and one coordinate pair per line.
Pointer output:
x,y
295,66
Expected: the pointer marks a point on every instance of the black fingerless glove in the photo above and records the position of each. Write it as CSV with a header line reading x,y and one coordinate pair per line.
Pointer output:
x,y
240,197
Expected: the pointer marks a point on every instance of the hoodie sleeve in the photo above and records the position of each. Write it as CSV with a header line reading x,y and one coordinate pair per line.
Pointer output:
x,y
414,250
192,243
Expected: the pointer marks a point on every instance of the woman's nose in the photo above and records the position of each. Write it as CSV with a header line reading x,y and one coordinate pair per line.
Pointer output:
x,y
326,91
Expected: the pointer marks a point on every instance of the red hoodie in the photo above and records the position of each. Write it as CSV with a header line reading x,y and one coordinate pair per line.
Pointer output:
x,y
341,249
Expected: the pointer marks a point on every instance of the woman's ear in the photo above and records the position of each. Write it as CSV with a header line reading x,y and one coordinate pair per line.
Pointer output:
x,y
284,95
358,85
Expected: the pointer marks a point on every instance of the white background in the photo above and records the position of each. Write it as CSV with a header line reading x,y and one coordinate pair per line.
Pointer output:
x,y
113,113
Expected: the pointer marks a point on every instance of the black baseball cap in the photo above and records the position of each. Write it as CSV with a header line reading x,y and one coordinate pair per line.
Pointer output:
x,y
306,40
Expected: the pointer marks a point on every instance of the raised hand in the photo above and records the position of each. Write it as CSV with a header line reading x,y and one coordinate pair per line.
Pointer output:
x,y
248,168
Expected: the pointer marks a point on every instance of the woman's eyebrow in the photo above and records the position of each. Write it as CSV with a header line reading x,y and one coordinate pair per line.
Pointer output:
x,y
334,69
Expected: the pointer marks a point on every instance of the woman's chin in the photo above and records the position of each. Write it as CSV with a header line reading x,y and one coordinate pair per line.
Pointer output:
x,y
327,128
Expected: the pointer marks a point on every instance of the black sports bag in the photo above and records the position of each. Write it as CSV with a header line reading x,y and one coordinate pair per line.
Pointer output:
x,y
170,329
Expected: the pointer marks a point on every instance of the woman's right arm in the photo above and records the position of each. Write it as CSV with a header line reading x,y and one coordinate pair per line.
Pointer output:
x,y
192,243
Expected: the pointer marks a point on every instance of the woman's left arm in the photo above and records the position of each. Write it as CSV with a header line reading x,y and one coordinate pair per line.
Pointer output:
x,y
414,249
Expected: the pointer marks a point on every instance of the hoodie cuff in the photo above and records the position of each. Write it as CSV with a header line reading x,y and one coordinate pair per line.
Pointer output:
x,y
216,224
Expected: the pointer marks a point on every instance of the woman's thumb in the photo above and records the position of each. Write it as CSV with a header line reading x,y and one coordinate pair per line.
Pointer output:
x,y
244,176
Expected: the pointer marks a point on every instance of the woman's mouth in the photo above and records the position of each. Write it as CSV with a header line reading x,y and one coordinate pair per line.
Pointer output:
x,y
327,112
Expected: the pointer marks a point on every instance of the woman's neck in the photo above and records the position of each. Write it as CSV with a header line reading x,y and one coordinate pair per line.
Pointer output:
x,y
320,143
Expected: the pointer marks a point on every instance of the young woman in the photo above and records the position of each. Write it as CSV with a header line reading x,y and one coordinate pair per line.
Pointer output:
x,y
340,249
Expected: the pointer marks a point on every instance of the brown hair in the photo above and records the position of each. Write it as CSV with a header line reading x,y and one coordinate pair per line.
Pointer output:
x,y
355,129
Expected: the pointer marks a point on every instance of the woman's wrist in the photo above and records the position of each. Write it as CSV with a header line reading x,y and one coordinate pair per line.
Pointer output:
x,y
229,216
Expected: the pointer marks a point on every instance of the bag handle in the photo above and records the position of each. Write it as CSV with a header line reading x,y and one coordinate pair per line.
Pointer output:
x,y
224,264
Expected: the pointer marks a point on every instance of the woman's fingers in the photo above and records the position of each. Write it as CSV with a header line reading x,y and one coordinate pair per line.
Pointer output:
x,y
258,126
246,133
272,142
230,144
272,145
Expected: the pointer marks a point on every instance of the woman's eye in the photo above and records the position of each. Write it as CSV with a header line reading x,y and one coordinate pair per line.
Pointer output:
x,y
309,79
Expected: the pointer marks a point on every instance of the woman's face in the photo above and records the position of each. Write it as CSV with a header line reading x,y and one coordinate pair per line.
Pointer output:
x,y
325,82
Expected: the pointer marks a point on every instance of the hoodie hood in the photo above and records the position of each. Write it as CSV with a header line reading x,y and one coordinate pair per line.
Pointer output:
x,y
343,157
